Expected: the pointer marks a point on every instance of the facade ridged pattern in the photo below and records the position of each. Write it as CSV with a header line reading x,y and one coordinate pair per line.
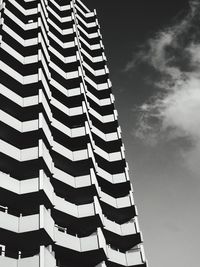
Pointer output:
x,y
65,194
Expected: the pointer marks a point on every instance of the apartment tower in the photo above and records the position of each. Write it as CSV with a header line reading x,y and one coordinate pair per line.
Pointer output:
x,y
65,194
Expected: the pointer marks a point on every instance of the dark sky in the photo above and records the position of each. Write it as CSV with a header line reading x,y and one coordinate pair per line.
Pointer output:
x,y
125,27
128,24
167,193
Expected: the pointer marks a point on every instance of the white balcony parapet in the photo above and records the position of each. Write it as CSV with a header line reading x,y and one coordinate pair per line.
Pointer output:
x,y
62,89
68,111
118,203
23,262
76,182
75,132
19,224
62,45
112,178
104,119
19,39
23,60
44,256
26,126
56,68
66,240
19,187
18,154
106,137
111,157
83,244
28,223
92,47
89,35
100,102
60,8
88,25
130,258
84,6
128,228
26,12
102,86
78,211
61,19
17,76
17,99
99,87
71,155
80,10
61,31
25,27
92,59
59,42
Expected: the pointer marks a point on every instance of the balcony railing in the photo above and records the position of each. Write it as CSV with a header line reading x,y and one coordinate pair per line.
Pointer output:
x,y
130,258
94,241
44,259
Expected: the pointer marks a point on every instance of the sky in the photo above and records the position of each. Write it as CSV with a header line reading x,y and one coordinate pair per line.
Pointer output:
x,y
153,51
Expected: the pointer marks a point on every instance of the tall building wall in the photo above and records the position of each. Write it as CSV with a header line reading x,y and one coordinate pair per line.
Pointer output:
x,y
65,194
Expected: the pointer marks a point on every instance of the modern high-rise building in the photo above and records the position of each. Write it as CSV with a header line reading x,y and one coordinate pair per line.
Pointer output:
x,y
65,194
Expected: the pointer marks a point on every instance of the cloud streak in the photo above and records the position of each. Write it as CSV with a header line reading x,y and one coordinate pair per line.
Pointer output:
x,y
174,111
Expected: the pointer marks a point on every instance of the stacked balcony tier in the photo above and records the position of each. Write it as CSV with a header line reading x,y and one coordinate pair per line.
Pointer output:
x,y
65,194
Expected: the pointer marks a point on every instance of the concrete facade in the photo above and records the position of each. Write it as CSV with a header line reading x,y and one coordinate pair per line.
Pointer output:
x,y
65,194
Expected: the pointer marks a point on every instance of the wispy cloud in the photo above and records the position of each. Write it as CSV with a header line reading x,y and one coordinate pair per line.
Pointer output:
x,y
174,111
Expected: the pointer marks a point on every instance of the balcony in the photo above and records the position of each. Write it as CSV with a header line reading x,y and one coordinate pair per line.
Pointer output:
x,y
44,259
112,178
93,242
130,258
115,156
9,262
19,224
76,182
75,132
26,12
74,210
129,228
118,203
27,186
106,137
28,223
71,155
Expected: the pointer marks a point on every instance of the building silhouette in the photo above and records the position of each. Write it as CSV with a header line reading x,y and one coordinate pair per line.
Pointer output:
x,y
65,194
